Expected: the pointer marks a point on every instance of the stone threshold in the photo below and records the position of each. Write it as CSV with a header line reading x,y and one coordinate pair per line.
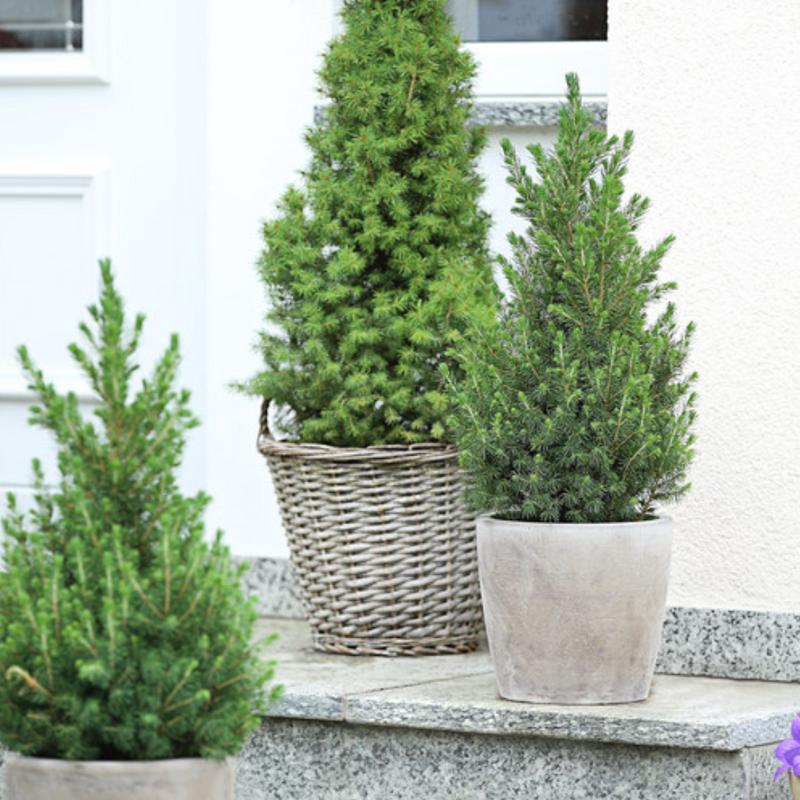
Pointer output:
x,y
711,642
458,694
516,113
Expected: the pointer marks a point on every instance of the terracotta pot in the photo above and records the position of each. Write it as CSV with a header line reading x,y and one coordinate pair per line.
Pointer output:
x,y
574,611
171,779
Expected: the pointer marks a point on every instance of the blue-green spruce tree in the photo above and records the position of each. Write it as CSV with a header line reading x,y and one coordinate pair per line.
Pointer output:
x,y
377,262
123,633
577,408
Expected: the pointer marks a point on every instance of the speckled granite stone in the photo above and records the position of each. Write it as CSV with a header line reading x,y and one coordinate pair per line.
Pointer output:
x,y
515,114
355,728
319,685
272,581
284,759
295,760
529,114
706,713
734,644
459,694
695,641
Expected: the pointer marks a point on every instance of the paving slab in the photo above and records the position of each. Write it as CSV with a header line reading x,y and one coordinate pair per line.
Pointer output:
x,y
458,693
319,685
707,713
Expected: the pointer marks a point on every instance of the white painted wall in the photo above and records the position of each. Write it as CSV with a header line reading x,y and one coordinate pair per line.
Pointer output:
x,y
711,90
262,60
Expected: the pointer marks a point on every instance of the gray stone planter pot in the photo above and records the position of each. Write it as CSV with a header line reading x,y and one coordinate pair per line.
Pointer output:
x,y
574,611
170,779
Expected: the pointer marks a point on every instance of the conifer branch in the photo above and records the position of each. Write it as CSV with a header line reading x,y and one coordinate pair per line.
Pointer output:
x,y
30,681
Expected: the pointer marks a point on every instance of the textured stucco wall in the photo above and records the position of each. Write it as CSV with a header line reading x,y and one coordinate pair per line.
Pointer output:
x,y
712,92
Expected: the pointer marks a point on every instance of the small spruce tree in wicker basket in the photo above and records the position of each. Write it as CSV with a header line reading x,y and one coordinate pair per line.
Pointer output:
x,y
374,268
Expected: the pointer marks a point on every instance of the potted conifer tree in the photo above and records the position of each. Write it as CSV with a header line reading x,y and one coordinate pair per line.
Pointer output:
x,y
573,422
374,268
127,668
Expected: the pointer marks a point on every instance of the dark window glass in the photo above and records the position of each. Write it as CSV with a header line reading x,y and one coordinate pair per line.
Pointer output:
x,y
530,20
41,25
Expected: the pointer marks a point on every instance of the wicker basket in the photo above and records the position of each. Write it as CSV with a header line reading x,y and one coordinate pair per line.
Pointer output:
x,y
382,546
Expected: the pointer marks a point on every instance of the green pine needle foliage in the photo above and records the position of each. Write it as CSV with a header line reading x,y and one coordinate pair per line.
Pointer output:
x,y
577,408
378,262
123,634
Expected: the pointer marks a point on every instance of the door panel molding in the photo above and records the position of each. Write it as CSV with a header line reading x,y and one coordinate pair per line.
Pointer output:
x,y
90,186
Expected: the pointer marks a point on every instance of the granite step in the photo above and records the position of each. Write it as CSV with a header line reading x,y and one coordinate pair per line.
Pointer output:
x,y
434,728
353,728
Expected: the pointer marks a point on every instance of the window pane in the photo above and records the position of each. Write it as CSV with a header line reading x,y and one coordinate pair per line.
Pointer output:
x,y
41,24
530,20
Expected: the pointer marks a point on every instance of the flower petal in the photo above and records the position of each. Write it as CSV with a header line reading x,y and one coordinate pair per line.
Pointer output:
x,y
787,750
780,772
796,728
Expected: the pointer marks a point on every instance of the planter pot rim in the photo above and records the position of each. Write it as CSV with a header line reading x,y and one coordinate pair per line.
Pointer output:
x,y
115,766
491,519
35,778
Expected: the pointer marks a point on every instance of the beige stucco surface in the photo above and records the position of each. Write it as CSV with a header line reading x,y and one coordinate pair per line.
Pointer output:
x,y
712,92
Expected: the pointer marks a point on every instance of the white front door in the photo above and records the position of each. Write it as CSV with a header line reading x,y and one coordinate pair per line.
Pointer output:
x,y
102,153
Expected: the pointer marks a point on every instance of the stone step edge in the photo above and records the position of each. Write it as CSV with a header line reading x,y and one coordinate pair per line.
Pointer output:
x,y
716,642
459,694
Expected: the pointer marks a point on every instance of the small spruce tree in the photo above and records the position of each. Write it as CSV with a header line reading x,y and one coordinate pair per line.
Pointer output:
x,y
123,634
377,264
576,408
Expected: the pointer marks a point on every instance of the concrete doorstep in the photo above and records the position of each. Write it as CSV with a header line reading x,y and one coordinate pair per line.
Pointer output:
x,y
433,727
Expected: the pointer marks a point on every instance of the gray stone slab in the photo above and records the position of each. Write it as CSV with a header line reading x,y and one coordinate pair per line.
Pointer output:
x,y
272,581
321,687
294,638
529,113
757,645
533,113
708,713
296,760
287,759
458,693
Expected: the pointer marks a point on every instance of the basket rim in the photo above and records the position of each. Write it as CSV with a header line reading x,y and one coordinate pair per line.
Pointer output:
x,y
268,445
387,453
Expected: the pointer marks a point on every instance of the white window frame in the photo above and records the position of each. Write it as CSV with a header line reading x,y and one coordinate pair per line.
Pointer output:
x,y
532,70
90,65
528,71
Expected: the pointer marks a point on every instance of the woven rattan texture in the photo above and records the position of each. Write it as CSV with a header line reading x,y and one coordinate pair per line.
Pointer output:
x,y
383,549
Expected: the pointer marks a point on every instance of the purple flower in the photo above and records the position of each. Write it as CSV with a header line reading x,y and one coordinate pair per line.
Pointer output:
x,y
788,751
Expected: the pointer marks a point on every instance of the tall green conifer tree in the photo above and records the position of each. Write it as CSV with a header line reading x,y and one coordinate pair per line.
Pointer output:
x,y
377,263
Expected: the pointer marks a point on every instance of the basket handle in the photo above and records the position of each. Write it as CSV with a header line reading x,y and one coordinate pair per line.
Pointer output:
x,y
263,427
